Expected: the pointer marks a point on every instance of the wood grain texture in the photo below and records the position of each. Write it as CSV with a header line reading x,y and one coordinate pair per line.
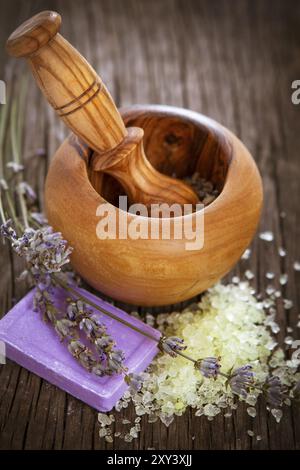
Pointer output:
x,y
233,61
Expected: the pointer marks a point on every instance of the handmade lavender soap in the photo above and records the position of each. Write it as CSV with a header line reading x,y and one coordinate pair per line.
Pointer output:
x,y
34,344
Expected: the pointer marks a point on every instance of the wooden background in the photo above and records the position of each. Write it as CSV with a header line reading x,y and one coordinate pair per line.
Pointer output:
x,y
232,60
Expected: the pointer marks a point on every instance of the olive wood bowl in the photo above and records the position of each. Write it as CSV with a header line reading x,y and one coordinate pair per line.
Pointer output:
x,y
158,272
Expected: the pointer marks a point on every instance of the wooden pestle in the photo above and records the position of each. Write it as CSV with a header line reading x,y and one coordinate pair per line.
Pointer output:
x,y
80,98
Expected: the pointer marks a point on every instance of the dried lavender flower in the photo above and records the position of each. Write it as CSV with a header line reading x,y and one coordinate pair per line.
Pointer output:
x,y
76,347
209,366
171,345
39,218
135,382
7,230
15,167
115,362
241,379
64,327
273,391
27,191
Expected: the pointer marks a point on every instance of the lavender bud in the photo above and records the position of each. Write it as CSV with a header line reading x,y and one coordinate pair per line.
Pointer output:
x,y
209,366
273,391
86,325
171,345
27,190
135,382
103,342
63,327
241,379
76,347
86,360
72,311
115,361
39,218
7,230
99,370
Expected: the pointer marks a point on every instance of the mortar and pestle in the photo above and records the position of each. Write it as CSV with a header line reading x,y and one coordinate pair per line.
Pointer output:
x,y
105,156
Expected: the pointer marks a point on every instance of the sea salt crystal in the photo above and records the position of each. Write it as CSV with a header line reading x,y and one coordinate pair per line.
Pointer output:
x,y
272,345
258,438
281,252
270,275
133,432
126,421
224,312
288,340
117,434
267,303
296,265
104,420
109,439
103,432
250,433
251,411
267,236
277,414
287,304
167,420
270,290
246,254
249,275
283,279
211,410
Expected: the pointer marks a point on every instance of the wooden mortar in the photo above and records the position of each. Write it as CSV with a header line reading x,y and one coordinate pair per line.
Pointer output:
x,y
158,272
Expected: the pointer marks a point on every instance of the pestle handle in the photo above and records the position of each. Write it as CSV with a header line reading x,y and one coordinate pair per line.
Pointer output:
x,y
80,98
69,83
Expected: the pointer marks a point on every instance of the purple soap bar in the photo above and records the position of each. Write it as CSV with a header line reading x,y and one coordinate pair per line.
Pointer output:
x,y
34,344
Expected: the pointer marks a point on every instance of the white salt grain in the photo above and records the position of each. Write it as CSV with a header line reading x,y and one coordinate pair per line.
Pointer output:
x,y
283,279
296,265
249,275
251,411
246,254
281,252
270,275
287,304
277,415
266,236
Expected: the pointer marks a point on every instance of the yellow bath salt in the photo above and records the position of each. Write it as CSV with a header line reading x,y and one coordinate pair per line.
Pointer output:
x,y
228,322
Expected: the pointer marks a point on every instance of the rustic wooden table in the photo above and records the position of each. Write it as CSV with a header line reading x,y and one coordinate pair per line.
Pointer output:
x,y
234,61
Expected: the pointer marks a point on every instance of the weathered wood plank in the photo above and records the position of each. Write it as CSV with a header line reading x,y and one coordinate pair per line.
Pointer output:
x,y
233,61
